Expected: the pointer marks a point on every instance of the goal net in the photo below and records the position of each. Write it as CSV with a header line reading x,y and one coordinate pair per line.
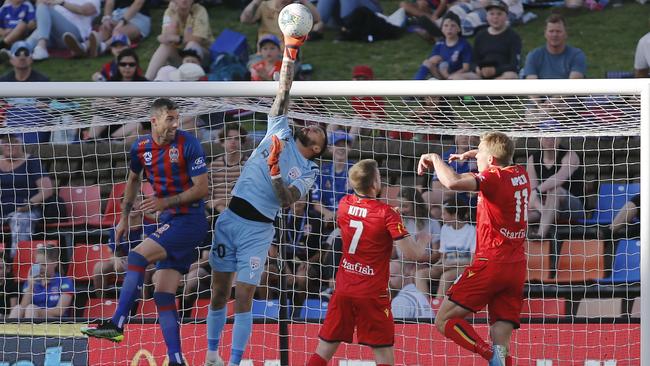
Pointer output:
x,y
68,155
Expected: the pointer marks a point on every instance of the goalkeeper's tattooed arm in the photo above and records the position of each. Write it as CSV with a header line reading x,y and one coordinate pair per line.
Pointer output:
x,y
281,103
287,195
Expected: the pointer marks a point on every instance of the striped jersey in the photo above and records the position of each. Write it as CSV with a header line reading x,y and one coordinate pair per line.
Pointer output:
x,y
170,168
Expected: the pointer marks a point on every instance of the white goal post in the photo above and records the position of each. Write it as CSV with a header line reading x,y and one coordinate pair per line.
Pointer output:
x,y
631,120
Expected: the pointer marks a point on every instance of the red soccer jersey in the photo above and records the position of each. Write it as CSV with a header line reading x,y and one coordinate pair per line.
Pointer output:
x,y
368,228
502,213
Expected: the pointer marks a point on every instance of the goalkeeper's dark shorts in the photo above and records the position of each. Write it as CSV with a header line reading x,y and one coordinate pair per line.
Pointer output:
x,y
500,286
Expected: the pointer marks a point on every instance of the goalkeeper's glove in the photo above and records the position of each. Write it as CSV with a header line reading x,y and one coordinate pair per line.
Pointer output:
x,y
273,160
291,46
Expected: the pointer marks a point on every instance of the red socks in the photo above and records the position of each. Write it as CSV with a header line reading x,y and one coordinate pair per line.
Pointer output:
x,y
316,360
461,332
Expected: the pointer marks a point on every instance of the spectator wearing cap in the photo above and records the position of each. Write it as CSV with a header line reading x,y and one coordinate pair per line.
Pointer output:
x,y
128,17
17,19
118,43
450,57
555,60
332,182
21,60
269,66
266,14
642,57
497,49
367,107
185,25
473,14
63,24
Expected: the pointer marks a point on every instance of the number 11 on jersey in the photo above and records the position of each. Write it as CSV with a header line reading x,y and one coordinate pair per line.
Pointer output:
x,y
521,199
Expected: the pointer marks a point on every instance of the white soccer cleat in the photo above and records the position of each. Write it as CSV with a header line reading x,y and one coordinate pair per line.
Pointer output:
x,y
217,362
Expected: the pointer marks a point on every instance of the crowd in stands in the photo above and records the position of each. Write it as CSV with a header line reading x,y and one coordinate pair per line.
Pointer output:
x,y
307,241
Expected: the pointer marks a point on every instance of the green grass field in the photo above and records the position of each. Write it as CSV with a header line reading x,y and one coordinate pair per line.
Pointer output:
x,y
608,38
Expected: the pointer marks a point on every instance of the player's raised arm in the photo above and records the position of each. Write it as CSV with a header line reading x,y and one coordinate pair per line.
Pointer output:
x,y
410,248
446,174
281,103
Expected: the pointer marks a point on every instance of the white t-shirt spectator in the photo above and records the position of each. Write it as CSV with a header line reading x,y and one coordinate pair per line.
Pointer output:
x,y
642,55
83,22
460,243
411,303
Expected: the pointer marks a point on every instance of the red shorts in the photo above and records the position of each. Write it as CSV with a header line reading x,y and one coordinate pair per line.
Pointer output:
x,y
500,286
372,318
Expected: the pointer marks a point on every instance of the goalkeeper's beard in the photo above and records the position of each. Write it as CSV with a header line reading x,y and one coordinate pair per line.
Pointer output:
x,y
303,138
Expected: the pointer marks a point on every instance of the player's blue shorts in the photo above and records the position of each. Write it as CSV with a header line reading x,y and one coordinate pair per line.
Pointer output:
x,y
181,236
240,245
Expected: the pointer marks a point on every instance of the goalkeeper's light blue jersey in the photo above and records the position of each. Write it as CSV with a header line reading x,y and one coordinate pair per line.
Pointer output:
x,y
254,183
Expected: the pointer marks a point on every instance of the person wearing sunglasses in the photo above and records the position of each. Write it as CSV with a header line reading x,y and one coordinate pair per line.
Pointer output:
x,y
128,67
21,60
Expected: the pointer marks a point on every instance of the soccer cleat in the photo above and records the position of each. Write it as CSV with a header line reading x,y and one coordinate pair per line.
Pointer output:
x,y
106,330
499,356
217,362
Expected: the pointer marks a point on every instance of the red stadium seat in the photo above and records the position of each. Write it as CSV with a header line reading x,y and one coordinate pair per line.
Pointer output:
x,y
580,261
84,259
84,206
100,308
543,308
539,263
113,207
25,256
147,308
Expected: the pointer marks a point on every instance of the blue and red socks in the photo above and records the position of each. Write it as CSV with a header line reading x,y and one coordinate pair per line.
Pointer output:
x,y
168,319
131,287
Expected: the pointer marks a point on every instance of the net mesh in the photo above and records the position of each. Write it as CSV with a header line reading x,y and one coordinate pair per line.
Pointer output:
x,y
582,297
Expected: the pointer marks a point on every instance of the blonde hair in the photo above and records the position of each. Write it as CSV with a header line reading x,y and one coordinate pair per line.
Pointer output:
x,y
500,146
362,175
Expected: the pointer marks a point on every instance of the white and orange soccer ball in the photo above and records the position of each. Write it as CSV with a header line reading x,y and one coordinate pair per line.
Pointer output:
x,y
295,20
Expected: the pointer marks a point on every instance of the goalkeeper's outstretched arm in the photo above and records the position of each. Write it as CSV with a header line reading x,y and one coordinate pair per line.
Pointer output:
x,y
281,103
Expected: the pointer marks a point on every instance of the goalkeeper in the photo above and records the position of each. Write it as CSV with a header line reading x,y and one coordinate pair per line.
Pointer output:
x,y
279,172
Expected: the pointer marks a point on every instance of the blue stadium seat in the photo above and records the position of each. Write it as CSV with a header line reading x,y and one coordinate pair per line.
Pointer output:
x,y
611,197
627,263
313,309
266,309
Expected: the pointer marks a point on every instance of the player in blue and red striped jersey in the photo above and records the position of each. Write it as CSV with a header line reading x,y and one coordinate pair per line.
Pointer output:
x,y
174,163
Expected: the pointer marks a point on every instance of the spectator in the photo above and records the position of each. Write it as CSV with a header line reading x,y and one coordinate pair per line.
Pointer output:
x,y
437,193
556,60
185,25
432,9
450,57
118,43
46,293
332,182
105,273
497,49
25,188
627,222
302,243
410,302
554,196
226,168
191,56
327,10
268,68
8,289
21,60
473,14
642,57
195,282
457,246
16,22
128,66
122,17
63,24
266,14
417,222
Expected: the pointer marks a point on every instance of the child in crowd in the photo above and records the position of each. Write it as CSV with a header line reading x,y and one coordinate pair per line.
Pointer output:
x,y
451,56
17,20
118,43
271,59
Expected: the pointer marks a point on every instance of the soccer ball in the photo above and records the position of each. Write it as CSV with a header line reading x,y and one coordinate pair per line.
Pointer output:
x,y
295,20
